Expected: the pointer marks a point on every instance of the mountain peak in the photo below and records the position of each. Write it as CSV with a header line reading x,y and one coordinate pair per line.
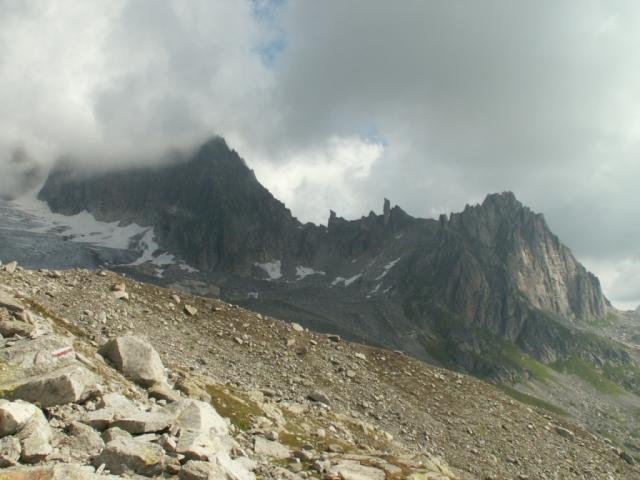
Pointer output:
x,y
506,199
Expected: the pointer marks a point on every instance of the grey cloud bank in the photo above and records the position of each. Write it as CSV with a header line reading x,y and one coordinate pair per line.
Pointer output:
x,y
432,104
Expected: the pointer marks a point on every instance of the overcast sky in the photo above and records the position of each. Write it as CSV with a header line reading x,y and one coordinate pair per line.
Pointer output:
x,y
337,104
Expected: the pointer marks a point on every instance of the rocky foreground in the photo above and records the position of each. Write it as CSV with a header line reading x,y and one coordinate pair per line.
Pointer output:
x,y
104,377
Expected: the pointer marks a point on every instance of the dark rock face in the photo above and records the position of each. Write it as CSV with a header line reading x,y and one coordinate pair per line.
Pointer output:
x,y
211,209
445,289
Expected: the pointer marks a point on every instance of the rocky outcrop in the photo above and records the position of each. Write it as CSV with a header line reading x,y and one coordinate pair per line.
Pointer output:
x,y
210,209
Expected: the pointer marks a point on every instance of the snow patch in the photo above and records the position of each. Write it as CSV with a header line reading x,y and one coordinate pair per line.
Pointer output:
x,y
272,269
302,272
345,281
187,268
84,228
387,268
349,281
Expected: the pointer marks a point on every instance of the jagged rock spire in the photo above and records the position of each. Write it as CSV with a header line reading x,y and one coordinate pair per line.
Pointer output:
x,y
386,211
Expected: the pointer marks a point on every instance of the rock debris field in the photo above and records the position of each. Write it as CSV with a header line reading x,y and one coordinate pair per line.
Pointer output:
x,y
105,377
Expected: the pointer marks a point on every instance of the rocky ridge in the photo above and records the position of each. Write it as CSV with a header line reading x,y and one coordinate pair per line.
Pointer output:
x,y
421,285
299,404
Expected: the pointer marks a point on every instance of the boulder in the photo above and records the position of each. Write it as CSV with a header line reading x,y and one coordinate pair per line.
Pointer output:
x,y
564,432
190,310
15,415
7,301
221,467
10,450
9,328
69,384
352,470
11,267
128,455
162,391
198,416
117,403
318,396
98,419
113,433
202,446
35,439
144,422
119,295
136,358
272,449
84,441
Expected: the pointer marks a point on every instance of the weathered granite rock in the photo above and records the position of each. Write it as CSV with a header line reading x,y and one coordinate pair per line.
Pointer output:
x,y
67,385
127,455
136,358
118,404
143,422
98,419
162,391
113,433
84,441
11,267
270,448
196,445
198,416
221,467
15,415
352,470
10,450
9,328
10,303
35,439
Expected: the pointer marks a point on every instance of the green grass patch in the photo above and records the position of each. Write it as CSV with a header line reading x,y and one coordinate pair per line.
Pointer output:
x,y
517,357
533,401
590,374
239,410
608,320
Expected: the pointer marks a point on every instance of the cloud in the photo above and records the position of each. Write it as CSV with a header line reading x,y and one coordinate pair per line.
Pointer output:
x,y
337,104
122,81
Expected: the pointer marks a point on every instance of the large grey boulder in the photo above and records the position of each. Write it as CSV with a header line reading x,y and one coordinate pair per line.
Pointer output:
x,y
111,407
144,422
9,302
35,439
128,455
202,446
83,442
352,470
221,467
117,403
15,415
9,328
136,358
69,384
199,416
270,448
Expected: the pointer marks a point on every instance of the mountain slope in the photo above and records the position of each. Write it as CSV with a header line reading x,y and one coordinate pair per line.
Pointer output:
x,y
490,290
385,408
